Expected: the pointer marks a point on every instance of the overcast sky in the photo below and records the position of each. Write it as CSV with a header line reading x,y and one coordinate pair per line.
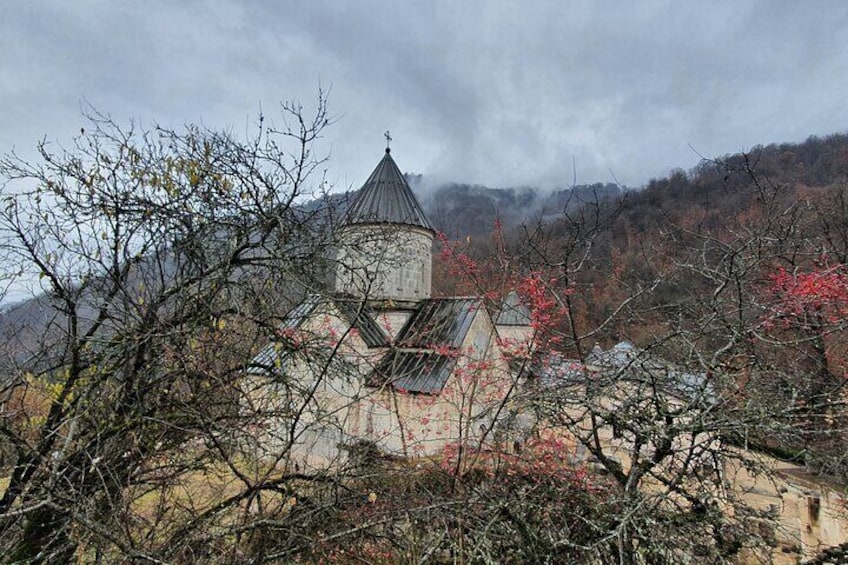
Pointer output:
x,y
500,93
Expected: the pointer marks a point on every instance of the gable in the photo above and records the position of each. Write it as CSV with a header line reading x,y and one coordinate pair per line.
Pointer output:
x,y
275,357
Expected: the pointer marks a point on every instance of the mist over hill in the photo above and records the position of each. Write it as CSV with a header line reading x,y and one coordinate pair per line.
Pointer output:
x,y
460,210
711,188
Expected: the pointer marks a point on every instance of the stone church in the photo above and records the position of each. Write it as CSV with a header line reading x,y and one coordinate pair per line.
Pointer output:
x,y
389,365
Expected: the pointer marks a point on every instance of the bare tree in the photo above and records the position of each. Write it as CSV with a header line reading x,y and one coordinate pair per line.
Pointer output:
x,y
161,260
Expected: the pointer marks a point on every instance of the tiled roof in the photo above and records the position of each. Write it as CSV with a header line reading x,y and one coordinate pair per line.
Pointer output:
x,y
428,346
426,349
297,315
629,362
361,318
273,357
624,355
386,198
552,369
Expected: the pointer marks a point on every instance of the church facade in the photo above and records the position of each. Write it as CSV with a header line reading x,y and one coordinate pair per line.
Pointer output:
x,y
387,364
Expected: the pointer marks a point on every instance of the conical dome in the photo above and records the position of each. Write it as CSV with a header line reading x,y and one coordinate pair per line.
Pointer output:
x,y
385,247
386,198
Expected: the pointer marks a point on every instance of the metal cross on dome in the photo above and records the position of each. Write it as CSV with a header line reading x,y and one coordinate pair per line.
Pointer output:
x,y
388,137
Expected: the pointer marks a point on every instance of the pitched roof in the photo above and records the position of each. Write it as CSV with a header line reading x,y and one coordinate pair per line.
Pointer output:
x,y
513,312
439,322
273,358
386,198
361,318
297,315
422,371
628,362
426,349
624,355
428,346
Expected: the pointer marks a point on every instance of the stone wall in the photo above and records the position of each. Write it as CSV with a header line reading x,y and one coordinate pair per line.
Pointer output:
x,y
384,262
809,515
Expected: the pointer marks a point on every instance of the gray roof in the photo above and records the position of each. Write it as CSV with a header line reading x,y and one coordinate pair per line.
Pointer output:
x,y
513,312
297,315
361,318
439,322
552,369
426,349
386,198
632,363
428,346
421,371
624,355
273,358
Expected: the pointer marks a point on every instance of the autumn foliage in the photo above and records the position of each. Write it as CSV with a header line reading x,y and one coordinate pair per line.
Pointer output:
x,y
812,297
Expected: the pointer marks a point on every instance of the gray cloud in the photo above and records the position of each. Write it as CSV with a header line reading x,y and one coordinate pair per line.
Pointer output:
x,y
500,93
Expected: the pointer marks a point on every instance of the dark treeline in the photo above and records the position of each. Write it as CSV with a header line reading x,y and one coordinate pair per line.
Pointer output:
x,y
736,267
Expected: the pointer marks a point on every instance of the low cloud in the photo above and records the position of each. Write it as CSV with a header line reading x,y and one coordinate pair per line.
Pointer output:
x,y
495,93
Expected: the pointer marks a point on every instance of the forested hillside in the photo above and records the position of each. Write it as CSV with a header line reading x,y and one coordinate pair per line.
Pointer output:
x,y
736,268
